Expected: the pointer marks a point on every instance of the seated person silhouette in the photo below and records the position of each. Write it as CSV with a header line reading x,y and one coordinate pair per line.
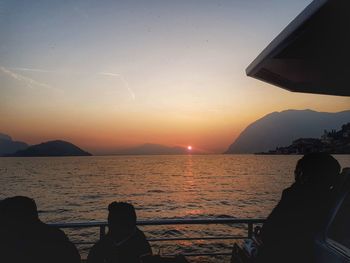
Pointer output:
x,y
124,242
288,234
24,238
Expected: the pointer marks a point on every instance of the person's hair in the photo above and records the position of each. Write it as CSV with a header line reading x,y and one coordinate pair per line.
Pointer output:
x,y
317,168
19,208
121,214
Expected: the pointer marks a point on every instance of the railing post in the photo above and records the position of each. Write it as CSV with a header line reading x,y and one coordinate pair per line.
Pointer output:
x,y
250,230
102,231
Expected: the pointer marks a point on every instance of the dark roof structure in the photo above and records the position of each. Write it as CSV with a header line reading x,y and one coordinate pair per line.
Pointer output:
x,y
312,54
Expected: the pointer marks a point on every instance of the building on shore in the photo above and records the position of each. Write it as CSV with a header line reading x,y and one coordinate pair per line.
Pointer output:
x,y
333,142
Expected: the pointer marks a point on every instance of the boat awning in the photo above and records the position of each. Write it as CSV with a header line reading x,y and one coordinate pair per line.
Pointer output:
x,y
312,54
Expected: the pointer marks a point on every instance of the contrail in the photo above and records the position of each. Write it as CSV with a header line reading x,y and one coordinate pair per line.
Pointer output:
x,y
120,76
110,74
33,70
31,83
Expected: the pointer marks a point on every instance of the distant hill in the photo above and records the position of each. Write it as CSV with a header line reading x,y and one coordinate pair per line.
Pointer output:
x,y
153,149
51,148
8,146
5,137
281,128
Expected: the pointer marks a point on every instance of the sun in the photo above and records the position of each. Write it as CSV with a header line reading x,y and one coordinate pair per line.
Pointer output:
x,y
189,147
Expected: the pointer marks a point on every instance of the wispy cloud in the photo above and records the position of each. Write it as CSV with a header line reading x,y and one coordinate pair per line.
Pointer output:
x,y
122,79
109,74
32,70
29,82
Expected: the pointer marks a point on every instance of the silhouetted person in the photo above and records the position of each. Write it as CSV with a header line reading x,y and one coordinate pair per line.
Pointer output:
x,y
124,242
160,259
24,238
289,231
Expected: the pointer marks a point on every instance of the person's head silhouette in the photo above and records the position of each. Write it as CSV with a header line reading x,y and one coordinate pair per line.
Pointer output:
x,y
121,219
317,169
19,210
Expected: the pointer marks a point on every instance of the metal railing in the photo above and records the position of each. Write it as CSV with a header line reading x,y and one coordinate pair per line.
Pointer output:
x,y
102,225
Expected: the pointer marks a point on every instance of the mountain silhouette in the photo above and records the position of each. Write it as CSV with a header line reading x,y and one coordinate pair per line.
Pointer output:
x,y
5,137
153,149
8,146
52,148
280,128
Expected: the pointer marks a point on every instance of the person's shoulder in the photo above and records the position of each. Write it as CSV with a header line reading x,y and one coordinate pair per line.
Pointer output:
x,y
52,233
294,187
99,250
292,190
102,244
139,233
142,243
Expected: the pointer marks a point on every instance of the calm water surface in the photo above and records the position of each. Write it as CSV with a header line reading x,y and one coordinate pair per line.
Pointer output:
x,y
69,189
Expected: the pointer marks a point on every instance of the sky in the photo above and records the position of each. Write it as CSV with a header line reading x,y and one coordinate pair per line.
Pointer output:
x,y
108,75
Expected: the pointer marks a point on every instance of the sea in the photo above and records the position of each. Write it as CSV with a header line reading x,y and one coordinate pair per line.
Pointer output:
x,y
79,189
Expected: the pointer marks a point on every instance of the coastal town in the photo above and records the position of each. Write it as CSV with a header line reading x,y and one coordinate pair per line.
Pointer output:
x,y
333,142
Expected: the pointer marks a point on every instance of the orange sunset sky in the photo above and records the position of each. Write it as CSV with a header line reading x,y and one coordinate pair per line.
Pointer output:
x,y
116,74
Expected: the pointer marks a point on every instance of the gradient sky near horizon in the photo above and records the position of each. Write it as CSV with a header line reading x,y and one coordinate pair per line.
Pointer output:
x,y
107,75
